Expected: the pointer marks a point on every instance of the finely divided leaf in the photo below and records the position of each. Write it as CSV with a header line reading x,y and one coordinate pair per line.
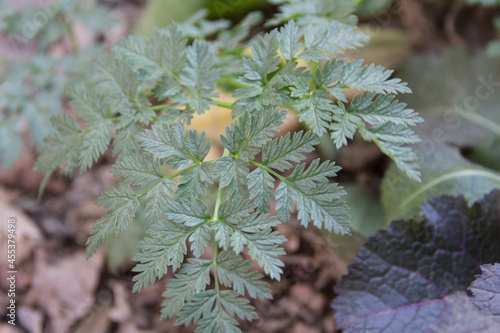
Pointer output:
x,y
260,183
60,146
195,181
158,197
264,58
233,174
138,168
165,247
162,54
191,280
278,153
344,125
190,213
215,311
289,38
371,78
180,148
378,110
392,140
316,111
251,131
90,104
263,244
316,198
329,73
122,203
199,76
116,80
329,38
95,142
234,271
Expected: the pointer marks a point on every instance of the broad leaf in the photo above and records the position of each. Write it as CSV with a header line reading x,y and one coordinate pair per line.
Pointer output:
x,y
486,291
461,316
400,277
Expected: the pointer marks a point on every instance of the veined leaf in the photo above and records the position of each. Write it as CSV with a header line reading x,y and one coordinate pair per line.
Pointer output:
x,y
486,290
195,181
158,197
180,148
316,111
191,280
165,247
234,272
263,244
122,203
138,168
199,76
251,131
233,174
371,78
289,38
190,213
464,111
400,277
278,153
260,183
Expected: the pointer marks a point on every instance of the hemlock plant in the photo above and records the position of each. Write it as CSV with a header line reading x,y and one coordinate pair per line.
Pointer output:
x,y
140,98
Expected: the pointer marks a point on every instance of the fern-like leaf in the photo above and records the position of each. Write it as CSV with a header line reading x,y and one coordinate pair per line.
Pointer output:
x,y
122,203
181,148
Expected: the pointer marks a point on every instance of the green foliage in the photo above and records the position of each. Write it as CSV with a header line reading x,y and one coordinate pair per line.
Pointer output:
x,y
140,99
32,88
402,275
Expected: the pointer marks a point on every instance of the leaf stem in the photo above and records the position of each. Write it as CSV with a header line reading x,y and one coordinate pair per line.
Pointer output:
x,y
219,194
265,167
225,104
71,34
216,245
219,103
157,107
178,173
216,275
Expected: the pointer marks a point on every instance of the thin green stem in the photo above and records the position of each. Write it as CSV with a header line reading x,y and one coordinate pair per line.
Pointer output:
x,y
71,34
265,167
178,173
149,189
157,107
219,194
216,275
230,82
225,104
219,103
216,245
